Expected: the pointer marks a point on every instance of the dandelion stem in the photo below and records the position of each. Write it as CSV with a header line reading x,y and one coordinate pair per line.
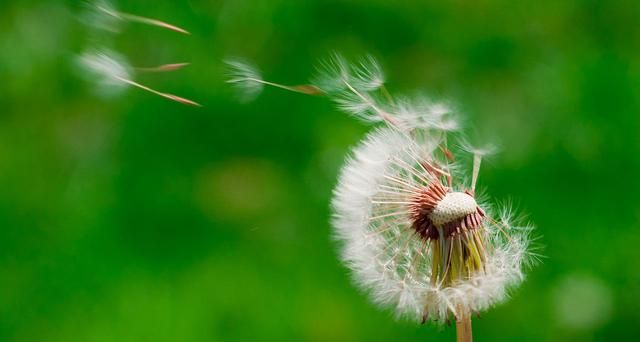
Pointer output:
x,y
463,328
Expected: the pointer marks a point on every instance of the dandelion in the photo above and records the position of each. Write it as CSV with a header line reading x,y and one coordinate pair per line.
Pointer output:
x,y
414,233
416,237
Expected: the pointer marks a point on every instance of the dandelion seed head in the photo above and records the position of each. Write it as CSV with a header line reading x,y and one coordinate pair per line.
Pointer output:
x,y
245,77
391,210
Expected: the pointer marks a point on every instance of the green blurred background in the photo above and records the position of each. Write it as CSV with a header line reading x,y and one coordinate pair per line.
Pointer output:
x,y
133,218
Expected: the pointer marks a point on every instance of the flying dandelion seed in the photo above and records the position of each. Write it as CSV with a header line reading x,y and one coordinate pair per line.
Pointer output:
x,y
247,80
102,14
111,71
413,233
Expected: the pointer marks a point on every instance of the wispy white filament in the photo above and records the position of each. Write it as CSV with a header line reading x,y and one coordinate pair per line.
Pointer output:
x,y
245,77
105,67
421,113
352,87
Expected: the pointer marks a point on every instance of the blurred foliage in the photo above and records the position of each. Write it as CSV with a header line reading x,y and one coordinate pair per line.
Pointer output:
x,y
135,218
